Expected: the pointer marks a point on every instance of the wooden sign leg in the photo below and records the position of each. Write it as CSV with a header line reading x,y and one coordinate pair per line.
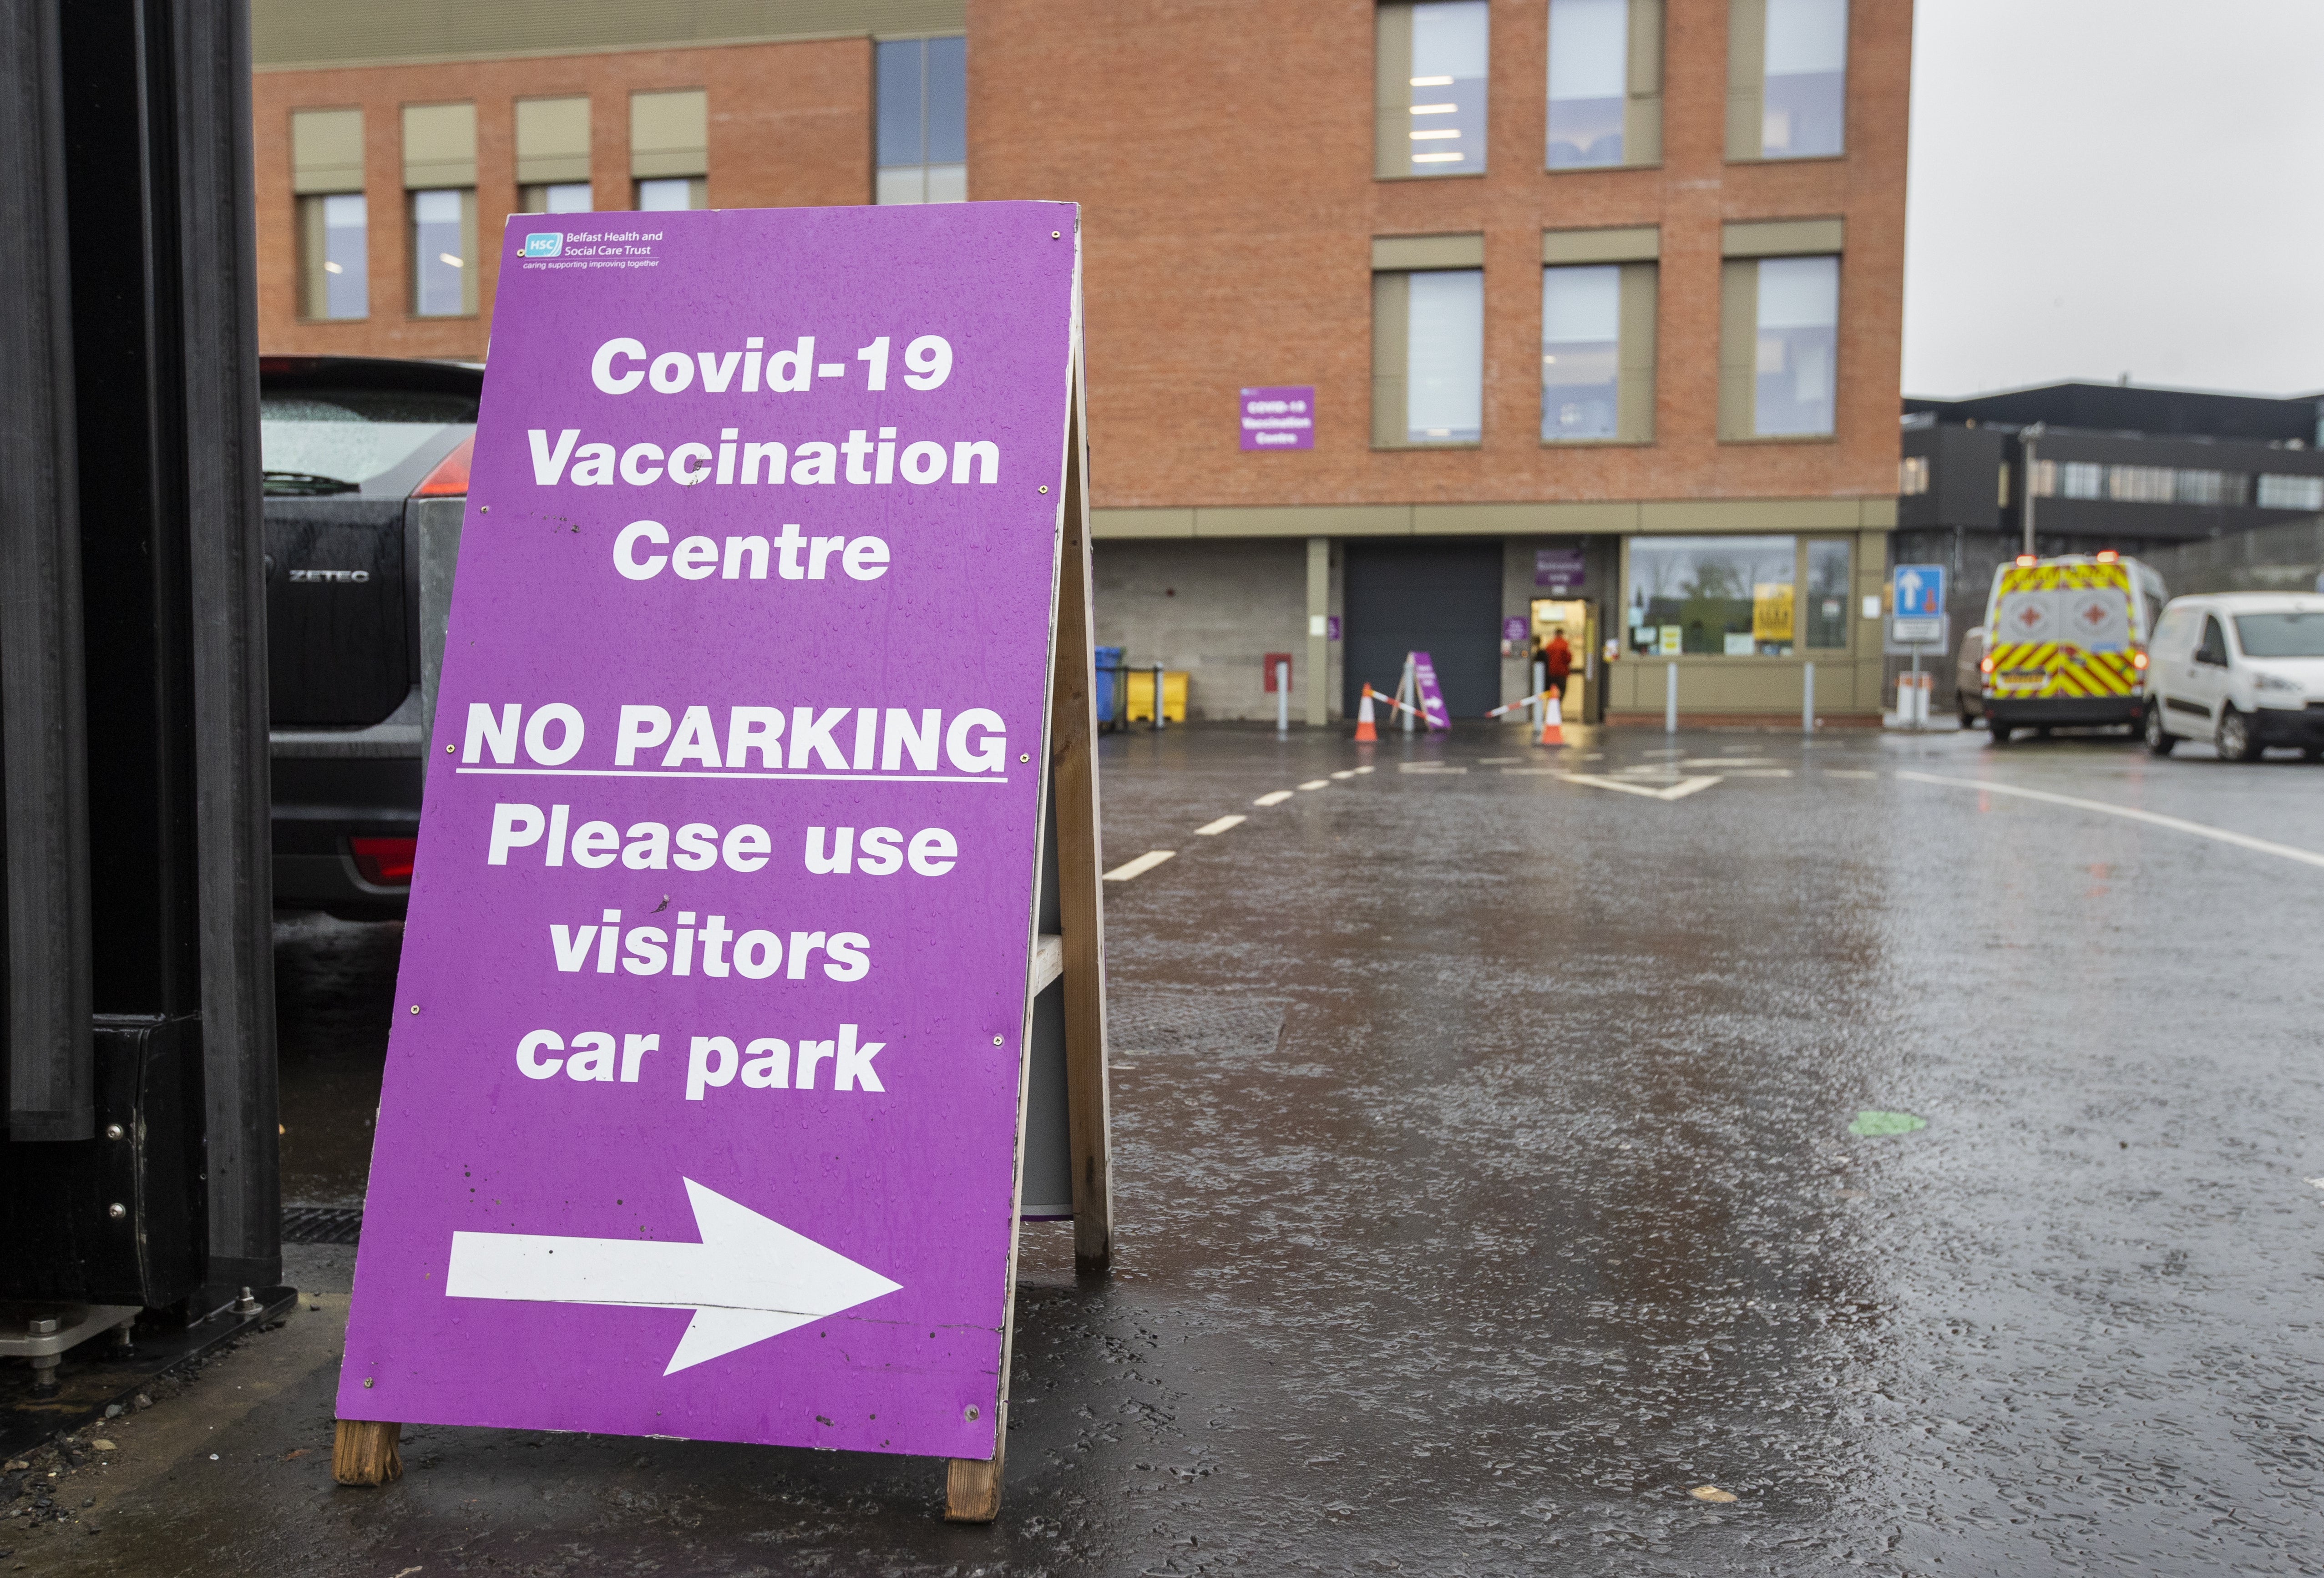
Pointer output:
x,y
973,1487
1081,901
367,1451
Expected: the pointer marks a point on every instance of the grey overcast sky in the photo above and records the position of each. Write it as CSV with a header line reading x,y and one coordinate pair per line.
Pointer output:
x,y
2101,186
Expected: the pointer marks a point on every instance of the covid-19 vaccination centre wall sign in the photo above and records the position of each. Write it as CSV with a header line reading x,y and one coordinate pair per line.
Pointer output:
x,y
768,657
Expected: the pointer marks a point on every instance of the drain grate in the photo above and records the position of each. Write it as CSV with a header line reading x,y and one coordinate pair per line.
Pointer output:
x,y
1216,1023
322,1225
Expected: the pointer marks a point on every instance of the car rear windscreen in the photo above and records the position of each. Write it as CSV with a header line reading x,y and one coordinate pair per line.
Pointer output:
x,y
329,441
2281,635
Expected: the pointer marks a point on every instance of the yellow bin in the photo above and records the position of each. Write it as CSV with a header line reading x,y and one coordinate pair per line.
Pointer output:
x,y
1139,703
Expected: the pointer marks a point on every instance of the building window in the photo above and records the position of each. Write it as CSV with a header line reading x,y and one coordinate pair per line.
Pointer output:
x,y
667,192
552,156
1714,596
1779,347
440,179
2291,493
1787,78
1597,352
1428,100
1913,476
443,253
334,256
557,197
2212,487
1428,340
2080,479
922,130
2142,484
1828,590
327,178
670,149
1604,83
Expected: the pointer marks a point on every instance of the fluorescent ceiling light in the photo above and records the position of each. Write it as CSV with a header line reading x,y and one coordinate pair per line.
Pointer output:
x,y
449,258
1431,82
1434,135
1433,109
1436,157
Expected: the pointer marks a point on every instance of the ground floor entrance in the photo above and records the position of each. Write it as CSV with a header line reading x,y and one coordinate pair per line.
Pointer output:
x,y
1442,599
1576,619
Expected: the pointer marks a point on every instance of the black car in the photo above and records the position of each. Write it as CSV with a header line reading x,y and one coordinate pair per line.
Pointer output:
x,y
366,480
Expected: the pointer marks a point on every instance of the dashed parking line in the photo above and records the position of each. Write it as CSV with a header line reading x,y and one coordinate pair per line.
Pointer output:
x,y
1273,797
1212,829
1139,867
1316,783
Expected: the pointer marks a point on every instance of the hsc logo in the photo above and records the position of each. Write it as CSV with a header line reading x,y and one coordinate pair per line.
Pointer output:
x,y
544,243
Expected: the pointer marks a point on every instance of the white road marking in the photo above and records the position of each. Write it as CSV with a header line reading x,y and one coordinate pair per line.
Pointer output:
x,y
1729,762
1273,797
1344,773
1212,829
1760,772
1316,783
2156,818
1363,770
1848,772
1497,760
1427,767
2318,1182
1139,867
1677,791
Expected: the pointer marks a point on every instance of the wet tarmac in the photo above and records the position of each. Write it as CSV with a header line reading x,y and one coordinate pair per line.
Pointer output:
x,y
1511,1168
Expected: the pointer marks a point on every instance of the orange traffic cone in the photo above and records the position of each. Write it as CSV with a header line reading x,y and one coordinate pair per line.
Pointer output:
x,y
1366,734
1553,732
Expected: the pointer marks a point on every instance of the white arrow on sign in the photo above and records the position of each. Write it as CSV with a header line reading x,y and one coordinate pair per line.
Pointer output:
x,y
750,1279
1910,581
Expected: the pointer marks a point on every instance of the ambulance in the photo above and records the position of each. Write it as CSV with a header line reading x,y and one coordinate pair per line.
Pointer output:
x,y
2065,643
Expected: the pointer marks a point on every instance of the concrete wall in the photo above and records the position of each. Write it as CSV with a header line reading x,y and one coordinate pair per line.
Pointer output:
x,y
2273,558
1214,609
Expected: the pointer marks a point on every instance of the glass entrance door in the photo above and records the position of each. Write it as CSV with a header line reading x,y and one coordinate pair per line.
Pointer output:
x,y
1576,619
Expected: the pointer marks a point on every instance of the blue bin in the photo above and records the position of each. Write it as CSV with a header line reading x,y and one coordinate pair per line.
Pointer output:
x,y
1109,676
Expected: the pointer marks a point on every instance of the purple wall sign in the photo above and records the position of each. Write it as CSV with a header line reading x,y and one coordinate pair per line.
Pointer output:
x,y
700,1113
1279,417
1557,571
1514,628
1432,710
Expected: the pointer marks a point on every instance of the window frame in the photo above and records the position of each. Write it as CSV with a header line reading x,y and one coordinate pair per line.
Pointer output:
x,y
1738,343
470,266
1802,540
1643,87
926,165
1747,86
1392,95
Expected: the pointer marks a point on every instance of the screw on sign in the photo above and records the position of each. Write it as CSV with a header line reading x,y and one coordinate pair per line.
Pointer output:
x,y
725,924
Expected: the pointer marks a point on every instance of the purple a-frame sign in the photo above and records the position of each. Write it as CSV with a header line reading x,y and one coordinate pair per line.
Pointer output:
x,y
702,1104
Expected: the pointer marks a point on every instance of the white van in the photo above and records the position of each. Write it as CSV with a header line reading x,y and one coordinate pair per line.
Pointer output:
x,y
2243,670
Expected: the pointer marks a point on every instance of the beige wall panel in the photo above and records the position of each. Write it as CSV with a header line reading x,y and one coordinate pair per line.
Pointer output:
x,y
327,151
1739,349
1642,111
1683,516
1517,520
1780,237
291,34
1391,315
439,145
1306,520
1627,243
552,140
1137,523
1392,89
669,134
1428,251
1633,416
1879,512
1746,76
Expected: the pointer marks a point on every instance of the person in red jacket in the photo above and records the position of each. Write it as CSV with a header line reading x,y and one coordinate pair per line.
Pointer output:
x,y
1557,661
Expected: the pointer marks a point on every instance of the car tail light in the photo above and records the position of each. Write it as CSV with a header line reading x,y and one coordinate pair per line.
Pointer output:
x,y
2026,561
385,862
450,477
2108,556
1985,665
2138,660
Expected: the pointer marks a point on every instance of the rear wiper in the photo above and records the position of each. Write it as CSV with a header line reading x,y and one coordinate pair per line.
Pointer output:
x,y
307,483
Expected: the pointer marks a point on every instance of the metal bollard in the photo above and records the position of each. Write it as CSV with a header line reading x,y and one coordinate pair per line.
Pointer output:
x,y
1807,698
1158,698
1283,699
1540,684
1669,698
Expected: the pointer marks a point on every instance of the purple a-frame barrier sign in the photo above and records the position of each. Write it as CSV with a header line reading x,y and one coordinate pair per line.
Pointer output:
x,y
703,1101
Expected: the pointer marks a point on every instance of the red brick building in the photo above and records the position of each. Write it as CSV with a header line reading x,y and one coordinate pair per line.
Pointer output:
x,y
1599,300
